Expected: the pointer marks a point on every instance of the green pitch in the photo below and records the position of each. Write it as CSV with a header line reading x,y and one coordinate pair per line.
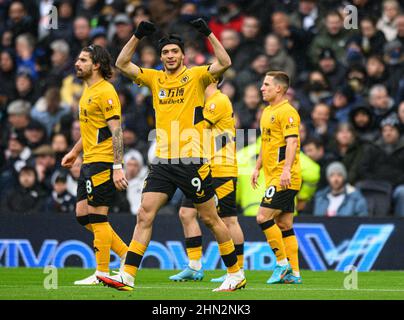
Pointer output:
x,y
23,283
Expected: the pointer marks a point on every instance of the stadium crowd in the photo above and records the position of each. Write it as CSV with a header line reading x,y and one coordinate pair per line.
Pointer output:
x,y
347,84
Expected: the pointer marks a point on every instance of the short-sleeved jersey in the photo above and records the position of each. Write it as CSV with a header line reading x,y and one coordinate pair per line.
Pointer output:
x,y
218,112
178,102
277,123
98,104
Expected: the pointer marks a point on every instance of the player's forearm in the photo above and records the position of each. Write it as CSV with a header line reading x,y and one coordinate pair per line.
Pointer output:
x,y
78,147
258,165
290,153
125,56
220,52
117,144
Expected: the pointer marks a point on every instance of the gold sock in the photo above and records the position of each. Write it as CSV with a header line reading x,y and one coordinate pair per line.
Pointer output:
x,y
291,248
102,240
274,238
134,257
194,247
228,254
117,245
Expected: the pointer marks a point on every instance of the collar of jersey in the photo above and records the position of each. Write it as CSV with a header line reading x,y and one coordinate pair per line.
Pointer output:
x,y
279,104
177,75
96,83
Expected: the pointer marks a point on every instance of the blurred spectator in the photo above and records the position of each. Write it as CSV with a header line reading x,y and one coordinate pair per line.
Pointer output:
x,y
247,109
60,146
132,141
60,200
7,78
363,120
342,103
384,163
48,110
230,40
61,64
25,51
19,21
388,21
98,36
26,198
81,35
26,88
140,13
123,32
376,71
307,16
193,56
250,42
356,78
136,173
331,68
228,16
45,165
371,39
35,134
339,198
380,102
254,73
18,117
334,36
66,13
320,126
279,60
73,176
400,28
315,150
295,40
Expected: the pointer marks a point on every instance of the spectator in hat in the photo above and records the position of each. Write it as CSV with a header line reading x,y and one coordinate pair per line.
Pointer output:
x,y
49,109
382,162
98,36
45,165
60,200
363,120
342,103
332,69
123,32
26,198
356,78
339,198
35,134
353,53
376,71
380,102
18,118
135,172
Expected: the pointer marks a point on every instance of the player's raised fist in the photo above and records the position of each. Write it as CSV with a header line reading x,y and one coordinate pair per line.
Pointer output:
x,y
201,25
145,28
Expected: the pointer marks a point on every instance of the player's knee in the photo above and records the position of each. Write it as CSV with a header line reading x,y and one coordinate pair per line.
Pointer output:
x,y
230,222
284,225
208,220
185,215
261,218
144,217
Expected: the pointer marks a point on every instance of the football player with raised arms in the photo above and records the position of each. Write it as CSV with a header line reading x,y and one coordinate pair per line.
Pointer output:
x,y
178,100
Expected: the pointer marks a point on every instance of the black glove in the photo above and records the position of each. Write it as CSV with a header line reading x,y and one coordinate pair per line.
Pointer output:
x,y
201,26
145,28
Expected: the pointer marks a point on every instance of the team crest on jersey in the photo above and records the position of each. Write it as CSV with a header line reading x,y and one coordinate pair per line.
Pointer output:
x,y
272,119
291,120
212,107
184,79
162,94
110,102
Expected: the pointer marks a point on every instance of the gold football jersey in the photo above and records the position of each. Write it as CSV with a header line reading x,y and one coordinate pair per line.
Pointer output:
x,y
98,104
218,112
178,102
277,123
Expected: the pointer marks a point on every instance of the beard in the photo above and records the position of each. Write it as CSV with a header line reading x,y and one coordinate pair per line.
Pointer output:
x,y
172,67
83,74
